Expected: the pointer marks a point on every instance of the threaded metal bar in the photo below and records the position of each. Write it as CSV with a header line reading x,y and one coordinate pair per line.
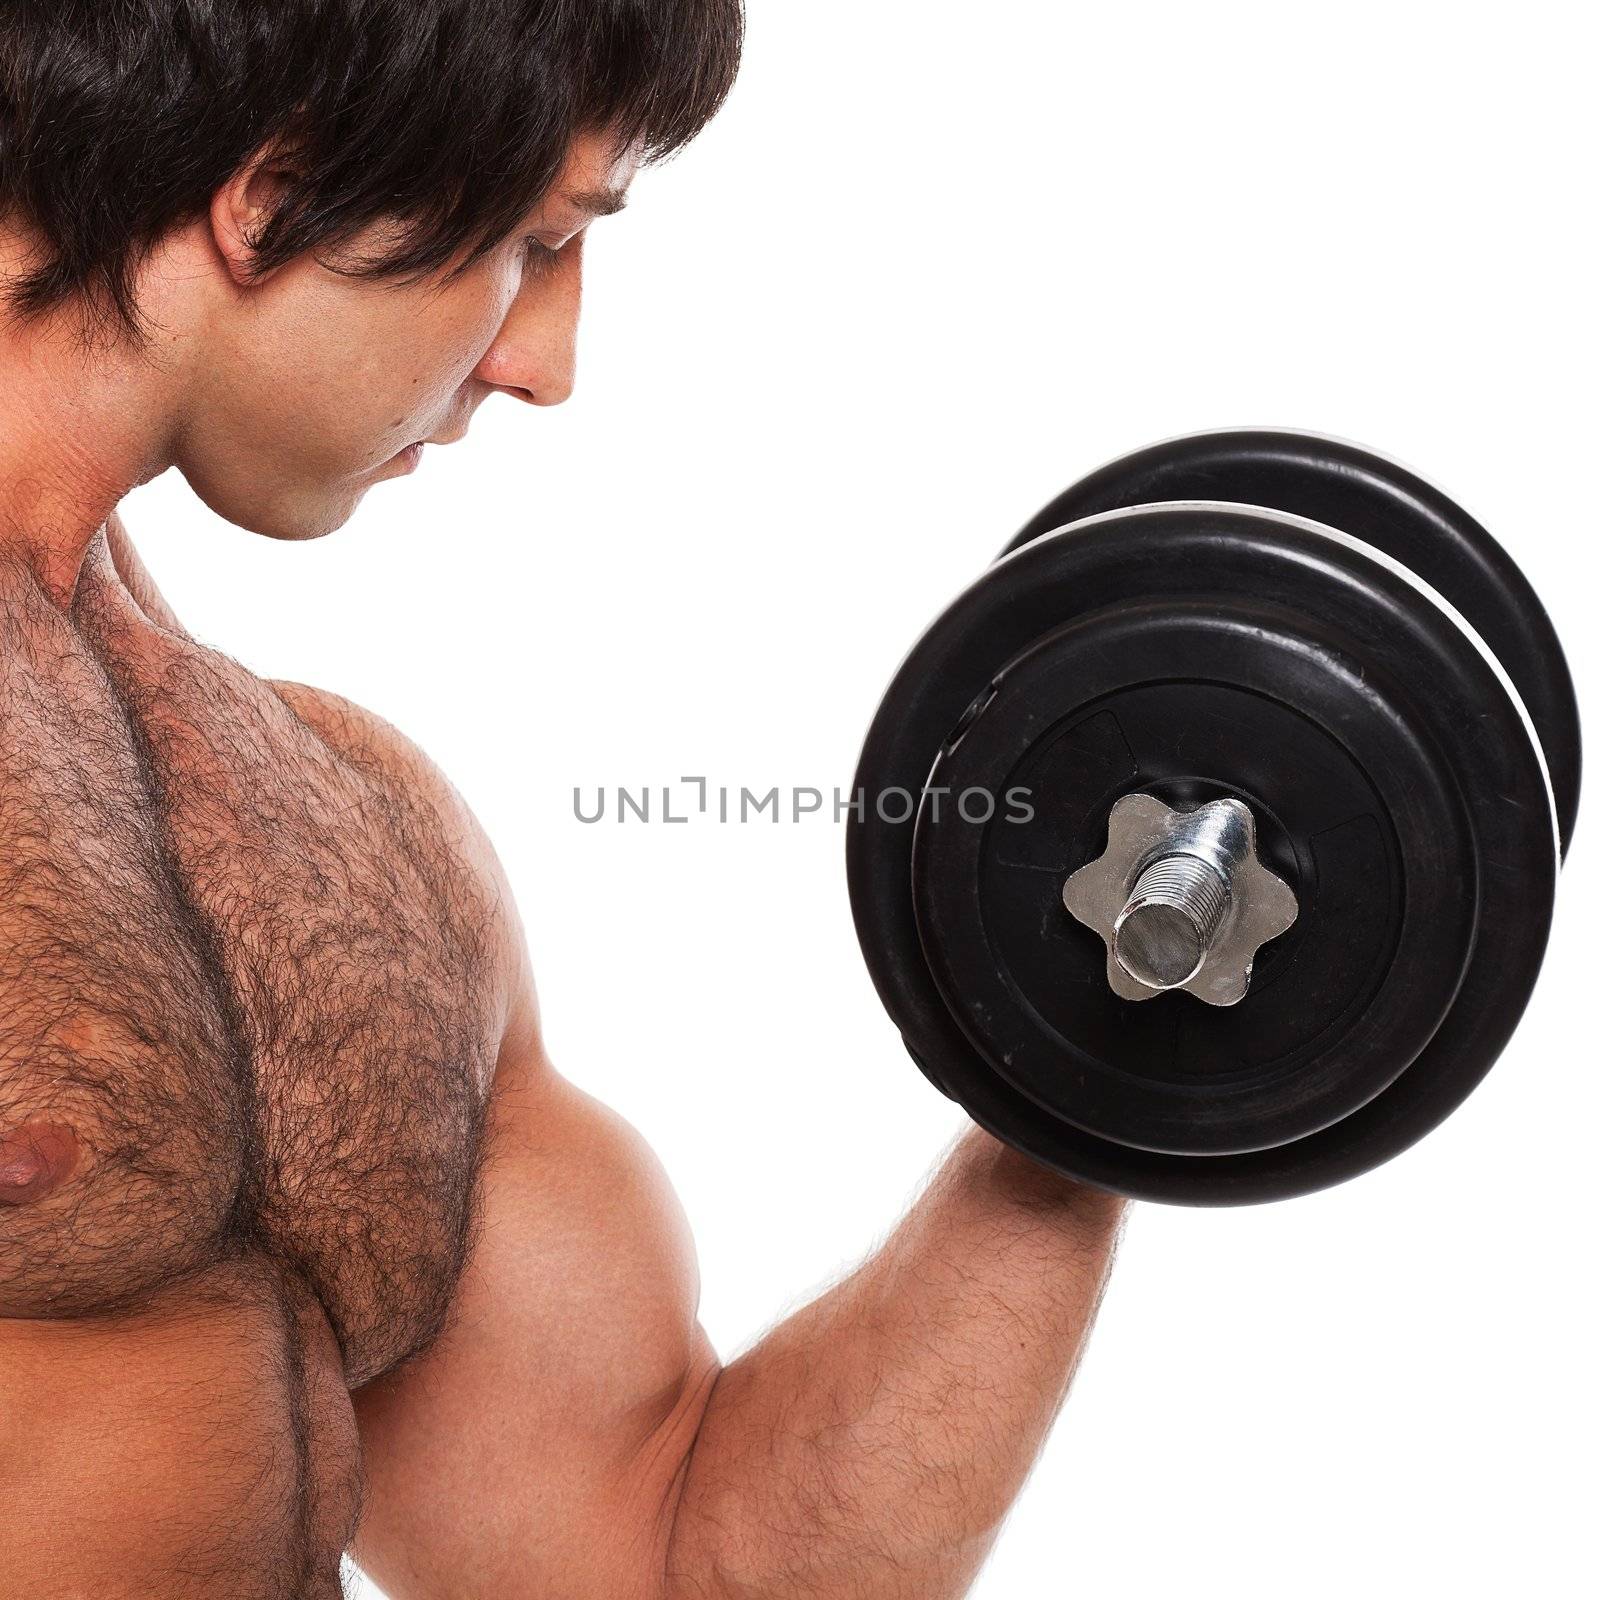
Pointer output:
x,y
1166,928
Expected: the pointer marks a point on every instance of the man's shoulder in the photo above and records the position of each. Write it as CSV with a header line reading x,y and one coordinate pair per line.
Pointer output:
x,y
353,732
378,749
400,768
403,768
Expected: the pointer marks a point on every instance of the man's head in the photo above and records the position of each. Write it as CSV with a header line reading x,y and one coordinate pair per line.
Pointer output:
x,y
322,231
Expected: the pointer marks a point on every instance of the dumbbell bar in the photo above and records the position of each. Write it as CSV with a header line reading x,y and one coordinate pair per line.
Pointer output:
x,y
1302,758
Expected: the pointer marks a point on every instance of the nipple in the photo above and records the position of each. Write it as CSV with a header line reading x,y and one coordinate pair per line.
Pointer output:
x,y
35,1160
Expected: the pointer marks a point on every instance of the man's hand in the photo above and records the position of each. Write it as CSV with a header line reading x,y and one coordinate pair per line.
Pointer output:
x,y
573,1436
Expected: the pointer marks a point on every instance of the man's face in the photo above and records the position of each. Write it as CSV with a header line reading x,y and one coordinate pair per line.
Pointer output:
x,y
316,385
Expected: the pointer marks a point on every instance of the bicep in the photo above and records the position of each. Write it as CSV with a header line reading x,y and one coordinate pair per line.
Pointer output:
x,y
536,1449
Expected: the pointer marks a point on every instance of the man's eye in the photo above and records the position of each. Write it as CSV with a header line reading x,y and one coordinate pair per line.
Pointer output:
x,y
537,253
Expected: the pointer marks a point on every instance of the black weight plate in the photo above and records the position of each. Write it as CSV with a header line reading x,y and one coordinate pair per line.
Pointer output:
x,y
1386,506
1384,872
1212,564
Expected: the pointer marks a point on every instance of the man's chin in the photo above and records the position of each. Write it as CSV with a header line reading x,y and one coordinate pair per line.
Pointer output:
x,y
291,518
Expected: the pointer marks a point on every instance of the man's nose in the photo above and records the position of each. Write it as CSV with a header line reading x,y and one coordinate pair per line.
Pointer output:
x,y
534,357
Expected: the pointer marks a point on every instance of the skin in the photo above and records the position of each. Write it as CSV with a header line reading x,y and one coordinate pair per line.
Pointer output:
x,y
248,1317
36,1158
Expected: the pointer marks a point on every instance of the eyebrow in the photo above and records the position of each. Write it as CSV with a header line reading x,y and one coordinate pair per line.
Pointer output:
x,y
598,202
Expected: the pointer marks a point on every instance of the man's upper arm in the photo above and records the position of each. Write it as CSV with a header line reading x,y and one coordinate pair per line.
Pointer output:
x,y
537,1449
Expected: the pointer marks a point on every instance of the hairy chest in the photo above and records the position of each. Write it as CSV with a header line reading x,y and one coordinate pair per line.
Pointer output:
x,y
251,987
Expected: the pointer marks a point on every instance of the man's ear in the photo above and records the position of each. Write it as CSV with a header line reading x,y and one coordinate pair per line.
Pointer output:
x,y
241,209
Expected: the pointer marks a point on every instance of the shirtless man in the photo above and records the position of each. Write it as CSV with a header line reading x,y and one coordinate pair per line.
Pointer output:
x,y
305,1246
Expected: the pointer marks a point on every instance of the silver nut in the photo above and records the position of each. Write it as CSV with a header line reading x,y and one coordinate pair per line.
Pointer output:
x,y
1181,899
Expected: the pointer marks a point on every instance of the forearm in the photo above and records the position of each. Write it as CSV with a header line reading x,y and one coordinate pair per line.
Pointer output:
x,y
870,1446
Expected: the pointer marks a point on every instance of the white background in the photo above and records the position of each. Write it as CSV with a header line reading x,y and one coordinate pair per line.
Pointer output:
x,y
934,262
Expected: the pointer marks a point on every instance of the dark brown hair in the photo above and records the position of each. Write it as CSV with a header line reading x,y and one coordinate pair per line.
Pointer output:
x,y
119,121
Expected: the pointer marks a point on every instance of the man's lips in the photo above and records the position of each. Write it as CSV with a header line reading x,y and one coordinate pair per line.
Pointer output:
x,y
406,460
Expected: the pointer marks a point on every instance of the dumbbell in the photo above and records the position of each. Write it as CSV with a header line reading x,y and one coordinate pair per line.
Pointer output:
x,y
1205,847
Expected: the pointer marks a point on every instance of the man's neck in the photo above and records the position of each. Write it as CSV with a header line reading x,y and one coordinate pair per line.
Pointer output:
x,y
81,423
